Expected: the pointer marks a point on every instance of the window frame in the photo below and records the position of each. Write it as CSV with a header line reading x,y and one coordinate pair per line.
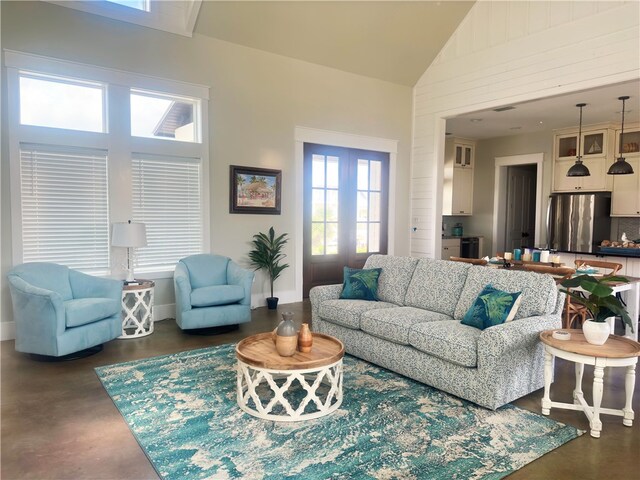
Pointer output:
x,y
116,140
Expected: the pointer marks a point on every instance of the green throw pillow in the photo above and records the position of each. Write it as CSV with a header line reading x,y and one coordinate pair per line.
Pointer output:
x,y
492,307
360,284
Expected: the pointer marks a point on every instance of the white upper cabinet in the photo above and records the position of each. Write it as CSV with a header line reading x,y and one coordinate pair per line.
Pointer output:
x,y
457,189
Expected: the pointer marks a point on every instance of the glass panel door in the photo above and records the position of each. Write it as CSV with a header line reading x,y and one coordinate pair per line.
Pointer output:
x,y
345,211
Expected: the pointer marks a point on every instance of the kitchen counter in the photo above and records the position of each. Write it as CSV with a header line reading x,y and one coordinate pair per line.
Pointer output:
x,y
623,253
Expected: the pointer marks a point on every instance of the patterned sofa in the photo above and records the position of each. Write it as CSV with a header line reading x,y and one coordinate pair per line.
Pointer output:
x,y
415,328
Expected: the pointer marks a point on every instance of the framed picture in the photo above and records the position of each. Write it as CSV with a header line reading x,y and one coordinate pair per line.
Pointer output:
x,y
254,190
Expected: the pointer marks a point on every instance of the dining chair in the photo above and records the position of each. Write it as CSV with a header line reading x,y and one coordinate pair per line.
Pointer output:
x,y
572,310
611,268
473,261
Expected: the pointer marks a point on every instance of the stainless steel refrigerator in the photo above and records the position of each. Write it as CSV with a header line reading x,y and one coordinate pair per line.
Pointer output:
x,y
578,222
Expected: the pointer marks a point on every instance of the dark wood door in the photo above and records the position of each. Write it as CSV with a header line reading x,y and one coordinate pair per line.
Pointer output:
x,y
345,211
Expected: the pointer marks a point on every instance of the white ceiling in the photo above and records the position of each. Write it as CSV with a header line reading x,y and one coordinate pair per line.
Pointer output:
x,y
390,40
551,113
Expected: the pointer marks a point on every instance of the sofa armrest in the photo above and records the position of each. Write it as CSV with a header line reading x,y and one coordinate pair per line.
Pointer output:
x,y
494,342
319,294
88,286
36,310
182,286
236,275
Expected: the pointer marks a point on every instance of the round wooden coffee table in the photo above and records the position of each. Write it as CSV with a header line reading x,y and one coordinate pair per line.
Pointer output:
x,y
289,389
616,352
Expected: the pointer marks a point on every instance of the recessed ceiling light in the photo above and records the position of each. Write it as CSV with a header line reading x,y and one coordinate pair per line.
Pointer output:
x,y
540,122
475,120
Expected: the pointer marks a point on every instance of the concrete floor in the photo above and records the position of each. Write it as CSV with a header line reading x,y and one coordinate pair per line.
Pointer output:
x,y
59,423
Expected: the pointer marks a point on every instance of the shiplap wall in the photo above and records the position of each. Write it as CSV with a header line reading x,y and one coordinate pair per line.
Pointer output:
x,y
504,53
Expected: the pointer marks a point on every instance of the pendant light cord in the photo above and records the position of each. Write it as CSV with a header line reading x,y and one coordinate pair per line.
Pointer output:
x,y
622,126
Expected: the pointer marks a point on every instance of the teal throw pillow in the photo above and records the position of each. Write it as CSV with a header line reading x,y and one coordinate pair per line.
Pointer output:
x,y
360,284
492,307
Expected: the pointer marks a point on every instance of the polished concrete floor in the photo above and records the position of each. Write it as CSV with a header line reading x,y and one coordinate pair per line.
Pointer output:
x,y
59,423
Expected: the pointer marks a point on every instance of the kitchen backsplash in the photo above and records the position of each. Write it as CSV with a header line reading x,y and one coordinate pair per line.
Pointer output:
x,y
628,225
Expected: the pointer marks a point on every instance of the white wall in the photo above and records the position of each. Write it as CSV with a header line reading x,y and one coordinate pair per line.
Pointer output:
x,y
257,100
509,52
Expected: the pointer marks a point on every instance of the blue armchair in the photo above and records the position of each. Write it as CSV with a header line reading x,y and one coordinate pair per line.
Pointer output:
x,y
211,291
59,311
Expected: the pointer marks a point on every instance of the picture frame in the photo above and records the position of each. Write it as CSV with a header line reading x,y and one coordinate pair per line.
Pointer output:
x,y
254,190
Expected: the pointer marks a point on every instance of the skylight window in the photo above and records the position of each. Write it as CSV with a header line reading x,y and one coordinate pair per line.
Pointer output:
x,y
137,4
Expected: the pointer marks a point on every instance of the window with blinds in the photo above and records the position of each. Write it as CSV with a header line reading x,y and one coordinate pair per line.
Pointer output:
x,y
167,199
65,209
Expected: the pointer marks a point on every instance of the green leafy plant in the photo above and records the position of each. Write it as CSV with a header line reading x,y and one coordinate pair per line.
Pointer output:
x,y
267,254
600,302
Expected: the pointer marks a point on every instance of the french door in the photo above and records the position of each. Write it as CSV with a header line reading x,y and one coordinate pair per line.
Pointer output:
x,y
345,211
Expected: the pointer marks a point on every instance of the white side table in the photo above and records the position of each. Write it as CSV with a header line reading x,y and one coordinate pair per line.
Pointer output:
x,y
137,309
616,352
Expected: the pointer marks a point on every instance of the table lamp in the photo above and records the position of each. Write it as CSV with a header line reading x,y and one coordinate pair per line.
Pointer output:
x,y
129,235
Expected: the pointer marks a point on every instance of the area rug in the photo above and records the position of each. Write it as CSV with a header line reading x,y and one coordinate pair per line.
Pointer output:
x,y
182,410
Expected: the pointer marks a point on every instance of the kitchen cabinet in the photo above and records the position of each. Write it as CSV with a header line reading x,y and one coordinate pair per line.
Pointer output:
x,y
630,141
598,181
463,154
450,248
457,188
596,146
625,198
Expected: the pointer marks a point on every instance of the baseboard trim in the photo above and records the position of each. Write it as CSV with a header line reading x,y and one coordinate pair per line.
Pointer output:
x,y
7,331
260,300
162,312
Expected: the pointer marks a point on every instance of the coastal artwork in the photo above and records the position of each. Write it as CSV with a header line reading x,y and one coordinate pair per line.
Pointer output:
x,y
254,190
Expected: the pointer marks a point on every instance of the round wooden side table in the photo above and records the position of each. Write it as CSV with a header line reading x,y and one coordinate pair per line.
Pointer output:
x,y
289,389
616,352
137,309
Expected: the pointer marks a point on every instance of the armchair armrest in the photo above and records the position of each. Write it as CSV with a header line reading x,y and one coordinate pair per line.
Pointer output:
x,y
88,286
36,310
182,285
496,341
236,275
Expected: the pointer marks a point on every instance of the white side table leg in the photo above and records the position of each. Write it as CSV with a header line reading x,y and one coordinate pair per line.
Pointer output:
x,y
548,374
629,385
577,392
598,374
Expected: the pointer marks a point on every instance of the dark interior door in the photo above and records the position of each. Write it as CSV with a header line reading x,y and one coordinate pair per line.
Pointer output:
x,y
345,211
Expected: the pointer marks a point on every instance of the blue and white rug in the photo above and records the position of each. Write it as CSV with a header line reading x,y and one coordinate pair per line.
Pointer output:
x,y
182,410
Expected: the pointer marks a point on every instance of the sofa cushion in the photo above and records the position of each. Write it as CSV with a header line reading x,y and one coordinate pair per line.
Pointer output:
x,y
448,340
360,284
539,292
393,324
216,295
82,311
347,312
492,307
436,285
395,277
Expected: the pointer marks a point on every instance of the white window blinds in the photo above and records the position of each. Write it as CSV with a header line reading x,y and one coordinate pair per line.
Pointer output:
x,y
65,213
167,199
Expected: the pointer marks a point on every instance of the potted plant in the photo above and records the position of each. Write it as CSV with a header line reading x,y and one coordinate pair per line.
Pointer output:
x,y
600,302
267,254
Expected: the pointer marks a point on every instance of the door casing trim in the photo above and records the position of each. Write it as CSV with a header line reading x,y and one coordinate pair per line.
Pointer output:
x,y
499,199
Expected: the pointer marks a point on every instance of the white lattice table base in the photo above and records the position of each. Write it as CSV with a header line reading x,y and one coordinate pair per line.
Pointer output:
x,y
289,395
137,311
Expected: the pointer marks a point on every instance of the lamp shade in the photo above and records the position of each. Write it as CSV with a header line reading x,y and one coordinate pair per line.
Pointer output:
x,y
129,234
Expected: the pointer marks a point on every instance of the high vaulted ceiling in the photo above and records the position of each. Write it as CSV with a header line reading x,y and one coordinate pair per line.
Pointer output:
x,y
394,41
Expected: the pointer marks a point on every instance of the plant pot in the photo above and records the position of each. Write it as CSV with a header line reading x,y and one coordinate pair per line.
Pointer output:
x,y
272,303
596,333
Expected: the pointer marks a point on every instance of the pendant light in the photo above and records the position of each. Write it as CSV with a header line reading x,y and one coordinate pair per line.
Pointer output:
x,y
579,169
621,166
